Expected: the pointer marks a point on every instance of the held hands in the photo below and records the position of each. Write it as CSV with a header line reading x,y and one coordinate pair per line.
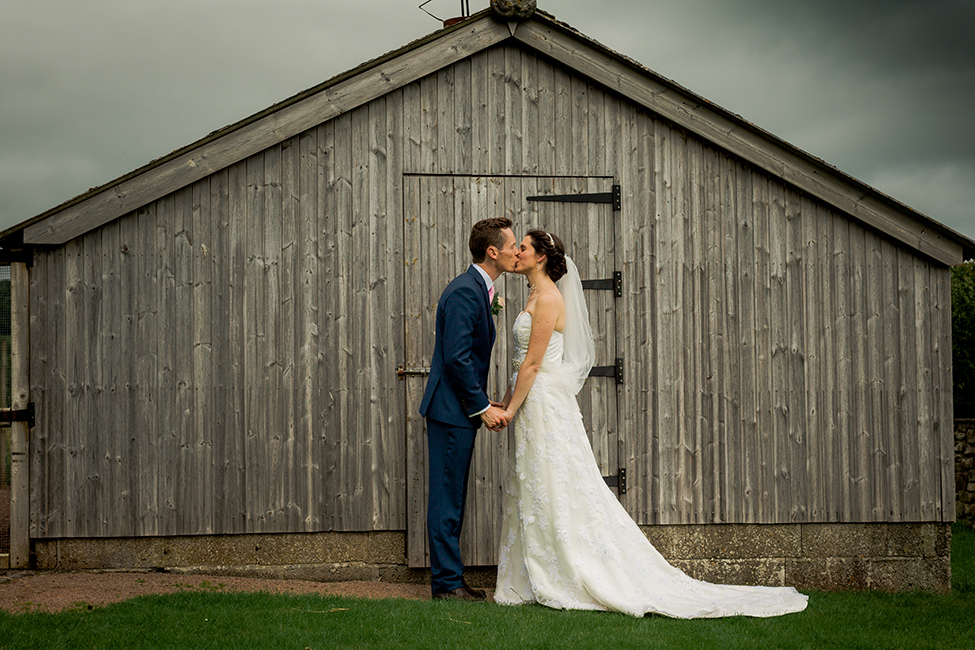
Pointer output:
x,y
499,414
508,417
495,418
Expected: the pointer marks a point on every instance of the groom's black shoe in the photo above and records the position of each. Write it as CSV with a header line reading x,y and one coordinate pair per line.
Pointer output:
x,y
457,594
476,593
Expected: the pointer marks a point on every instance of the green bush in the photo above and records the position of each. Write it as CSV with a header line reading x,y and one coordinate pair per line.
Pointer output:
x,y
963,337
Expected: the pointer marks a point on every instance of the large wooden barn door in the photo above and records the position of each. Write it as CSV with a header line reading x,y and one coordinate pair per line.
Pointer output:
x,y
583,216
439,212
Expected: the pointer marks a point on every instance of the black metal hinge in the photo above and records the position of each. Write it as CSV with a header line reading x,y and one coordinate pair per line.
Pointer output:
x,y
19,415
609,371
613,197
618,481
614,284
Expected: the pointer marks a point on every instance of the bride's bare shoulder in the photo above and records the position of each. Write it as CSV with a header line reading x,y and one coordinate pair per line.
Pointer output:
x,y
550,299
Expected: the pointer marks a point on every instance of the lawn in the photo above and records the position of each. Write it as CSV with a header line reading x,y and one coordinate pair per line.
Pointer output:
x,y
226,620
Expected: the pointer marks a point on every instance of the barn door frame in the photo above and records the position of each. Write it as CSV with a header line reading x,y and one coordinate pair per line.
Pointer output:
x,y
434,207
20,415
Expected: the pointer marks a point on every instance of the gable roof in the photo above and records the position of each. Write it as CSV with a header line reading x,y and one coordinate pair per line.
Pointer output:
x,y
544,34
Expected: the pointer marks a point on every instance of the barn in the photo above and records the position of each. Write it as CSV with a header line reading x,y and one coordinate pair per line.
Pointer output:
x,y
218,358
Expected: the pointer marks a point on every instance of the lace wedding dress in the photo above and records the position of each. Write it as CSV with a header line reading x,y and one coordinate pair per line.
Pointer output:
x,y
567,542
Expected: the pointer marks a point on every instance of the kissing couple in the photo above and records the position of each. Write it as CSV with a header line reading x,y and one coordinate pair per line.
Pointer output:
x,y
566,541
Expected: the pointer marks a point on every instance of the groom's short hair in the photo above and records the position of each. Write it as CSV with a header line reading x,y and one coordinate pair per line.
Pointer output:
x,y
487,232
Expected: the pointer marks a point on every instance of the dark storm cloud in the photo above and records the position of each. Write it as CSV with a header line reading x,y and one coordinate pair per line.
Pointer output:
x,y
92,90
881,90
904,35
910,65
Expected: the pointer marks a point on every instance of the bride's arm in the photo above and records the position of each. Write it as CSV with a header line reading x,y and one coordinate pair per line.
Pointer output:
x,y
546,313
507,398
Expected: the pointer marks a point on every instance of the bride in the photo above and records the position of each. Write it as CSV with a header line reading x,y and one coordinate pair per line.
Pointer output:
x,y
566,542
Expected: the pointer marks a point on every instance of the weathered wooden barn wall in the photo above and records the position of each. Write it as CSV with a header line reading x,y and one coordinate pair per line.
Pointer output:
x,y
232,382
223,359
798,364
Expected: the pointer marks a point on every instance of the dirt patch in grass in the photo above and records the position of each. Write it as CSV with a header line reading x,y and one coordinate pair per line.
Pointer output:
x,y
29,591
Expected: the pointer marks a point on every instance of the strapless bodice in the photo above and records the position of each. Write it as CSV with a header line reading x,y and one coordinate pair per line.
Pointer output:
x,y
522,331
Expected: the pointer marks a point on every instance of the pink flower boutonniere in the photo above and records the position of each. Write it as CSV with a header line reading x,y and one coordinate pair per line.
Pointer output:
x,y
497,305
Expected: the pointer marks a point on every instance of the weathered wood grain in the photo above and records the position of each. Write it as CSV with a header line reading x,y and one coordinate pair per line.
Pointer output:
x,y
764,461
187,488
780,462
234,459
416,543
308,453
291,314
784,362
223,436
44,337
19,431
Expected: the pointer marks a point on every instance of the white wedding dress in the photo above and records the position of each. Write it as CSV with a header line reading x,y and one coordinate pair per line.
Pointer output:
x,y
566,541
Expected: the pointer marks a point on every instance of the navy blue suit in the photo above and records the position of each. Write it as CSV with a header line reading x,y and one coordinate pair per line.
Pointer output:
x,y
456,390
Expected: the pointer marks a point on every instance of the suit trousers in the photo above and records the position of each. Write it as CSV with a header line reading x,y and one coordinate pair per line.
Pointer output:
x,y
450,452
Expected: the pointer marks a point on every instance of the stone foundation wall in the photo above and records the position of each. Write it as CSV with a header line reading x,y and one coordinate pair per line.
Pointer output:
x,y
965,471
891,557
826,557
324,557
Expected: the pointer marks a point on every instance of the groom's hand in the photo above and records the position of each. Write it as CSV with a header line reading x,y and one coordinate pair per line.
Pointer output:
x,y
494,418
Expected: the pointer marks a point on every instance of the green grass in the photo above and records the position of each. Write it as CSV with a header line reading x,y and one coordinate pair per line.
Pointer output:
x,y
212,619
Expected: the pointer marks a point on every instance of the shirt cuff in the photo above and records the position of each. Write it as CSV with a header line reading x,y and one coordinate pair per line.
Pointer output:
x,y
483,410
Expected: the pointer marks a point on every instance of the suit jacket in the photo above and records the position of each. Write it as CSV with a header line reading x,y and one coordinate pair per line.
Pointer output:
x,y
457,386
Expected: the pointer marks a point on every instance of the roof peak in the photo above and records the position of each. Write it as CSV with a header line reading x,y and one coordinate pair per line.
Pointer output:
x,y
514,9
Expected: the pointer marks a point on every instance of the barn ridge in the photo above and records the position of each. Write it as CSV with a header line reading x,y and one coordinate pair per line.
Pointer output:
x,y
542,33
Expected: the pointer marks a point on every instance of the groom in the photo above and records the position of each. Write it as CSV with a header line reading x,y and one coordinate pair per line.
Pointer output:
x,y
455,401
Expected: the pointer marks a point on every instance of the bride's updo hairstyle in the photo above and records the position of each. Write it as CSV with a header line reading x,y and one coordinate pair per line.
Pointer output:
x,y
547,244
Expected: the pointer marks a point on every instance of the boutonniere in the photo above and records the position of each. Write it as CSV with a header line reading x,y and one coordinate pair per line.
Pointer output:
x,y
497,305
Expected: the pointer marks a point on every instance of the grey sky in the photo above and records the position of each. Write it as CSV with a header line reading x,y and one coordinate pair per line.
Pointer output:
x,y
883,90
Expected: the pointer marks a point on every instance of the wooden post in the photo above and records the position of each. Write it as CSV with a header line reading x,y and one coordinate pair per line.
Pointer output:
x,y
4,371
20,393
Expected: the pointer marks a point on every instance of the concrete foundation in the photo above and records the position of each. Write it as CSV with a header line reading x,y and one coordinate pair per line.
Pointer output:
x,y
826,557
889,557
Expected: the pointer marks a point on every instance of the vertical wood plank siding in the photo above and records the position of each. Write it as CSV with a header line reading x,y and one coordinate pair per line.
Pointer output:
x,y
223,360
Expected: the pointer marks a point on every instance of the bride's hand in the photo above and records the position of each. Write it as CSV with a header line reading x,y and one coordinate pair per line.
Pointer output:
x,y
503,423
